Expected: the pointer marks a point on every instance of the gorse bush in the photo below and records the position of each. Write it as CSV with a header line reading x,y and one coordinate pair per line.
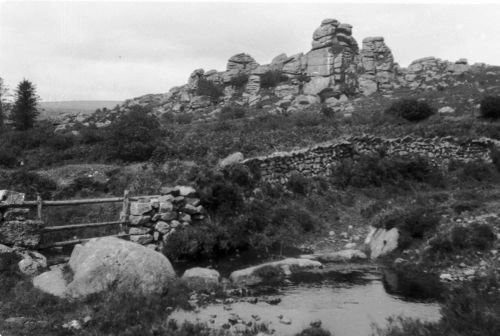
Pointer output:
x,y
490,107
133,136
239,81
209,88
413,222
476,236
410,109
377,170
232,112
272,78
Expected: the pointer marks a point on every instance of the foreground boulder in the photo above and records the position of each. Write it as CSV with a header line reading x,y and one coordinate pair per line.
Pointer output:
x,y
112,263
382,241
273,270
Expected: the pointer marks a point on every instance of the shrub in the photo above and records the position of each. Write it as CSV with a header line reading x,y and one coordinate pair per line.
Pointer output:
x,y
133,136
272,78
413,222
209,88
232,112
298,183
377,170
30,183
314,331
8,159
490,107
410,109
306,119
476,236
239,81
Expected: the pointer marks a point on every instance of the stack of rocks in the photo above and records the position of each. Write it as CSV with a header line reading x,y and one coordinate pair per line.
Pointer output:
x,y
331,64
376,66
153,220
15,227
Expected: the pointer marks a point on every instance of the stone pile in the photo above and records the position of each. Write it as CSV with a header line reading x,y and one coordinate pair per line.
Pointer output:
x,y
153,220
331,63
16,229
377,66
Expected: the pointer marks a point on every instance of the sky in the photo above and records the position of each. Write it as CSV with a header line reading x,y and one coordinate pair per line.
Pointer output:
x,y
112,50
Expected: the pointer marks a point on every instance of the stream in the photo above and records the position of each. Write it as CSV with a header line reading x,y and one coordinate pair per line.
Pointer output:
x,y
348,299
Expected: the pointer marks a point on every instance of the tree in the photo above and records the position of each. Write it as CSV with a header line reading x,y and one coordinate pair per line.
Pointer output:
x,y
134,135
25,111
3,103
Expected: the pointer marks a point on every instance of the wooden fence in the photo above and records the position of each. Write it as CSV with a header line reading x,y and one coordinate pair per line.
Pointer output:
x,y
121,223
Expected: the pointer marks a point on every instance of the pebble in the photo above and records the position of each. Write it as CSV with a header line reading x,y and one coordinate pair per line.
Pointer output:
x,y
469,272
331,233
446,277
74,324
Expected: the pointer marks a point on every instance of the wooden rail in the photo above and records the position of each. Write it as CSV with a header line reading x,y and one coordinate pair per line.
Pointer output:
x,y
83,225
77,241
40,204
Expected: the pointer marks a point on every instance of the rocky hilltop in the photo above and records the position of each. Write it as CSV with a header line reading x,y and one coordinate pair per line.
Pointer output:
x,y
332,73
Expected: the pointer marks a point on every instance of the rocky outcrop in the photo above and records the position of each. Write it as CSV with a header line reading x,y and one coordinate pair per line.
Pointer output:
x,y
376,66
108,263
332,62
273,270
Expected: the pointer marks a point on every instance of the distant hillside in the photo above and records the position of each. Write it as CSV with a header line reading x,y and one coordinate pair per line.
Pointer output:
x,y
59,108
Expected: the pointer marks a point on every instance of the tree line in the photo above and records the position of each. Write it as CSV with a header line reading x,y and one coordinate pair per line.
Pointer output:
x,y
23,111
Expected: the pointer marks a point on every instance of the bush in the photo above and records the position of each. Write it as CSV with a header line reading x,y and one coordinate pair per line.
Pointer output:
x,y
239,81
8,159
232,112
209,88
272,78
413,222
298,183
133,136
28,182
490,107
377,170
410,109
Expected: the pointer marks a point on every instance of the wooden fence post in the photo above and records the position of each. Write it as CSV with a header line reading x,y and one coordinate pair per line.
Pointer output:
x,y
125,209
39,207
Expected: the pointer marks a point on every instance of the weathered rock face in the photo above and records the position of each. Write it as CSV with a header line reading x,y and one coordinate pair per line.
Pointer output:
x,y
109,262
273,270
377,66
241,63
333,59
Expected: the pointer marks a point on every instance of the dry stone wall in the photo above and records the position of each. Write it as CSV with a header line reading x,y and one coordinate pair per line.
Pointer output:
x,y
320,159
153,220
16,229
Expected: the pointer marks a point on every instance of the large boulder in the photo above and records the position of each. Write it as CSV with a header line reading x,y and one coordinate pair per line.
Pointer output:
x,y
376,65
382,241
273,270
112,263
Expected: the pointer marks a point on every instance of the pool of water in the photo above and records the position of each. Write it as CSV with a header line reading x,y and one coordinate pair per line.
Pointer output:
x,y
347,301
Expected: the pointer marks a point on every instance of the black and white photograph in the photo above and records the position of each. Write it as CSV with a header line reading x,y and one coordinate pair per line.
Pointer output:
x,y
250,168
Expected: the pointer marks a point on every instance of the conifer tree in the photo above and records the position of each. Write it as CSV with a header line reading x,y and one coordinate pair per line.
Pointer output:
x,y
25,111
